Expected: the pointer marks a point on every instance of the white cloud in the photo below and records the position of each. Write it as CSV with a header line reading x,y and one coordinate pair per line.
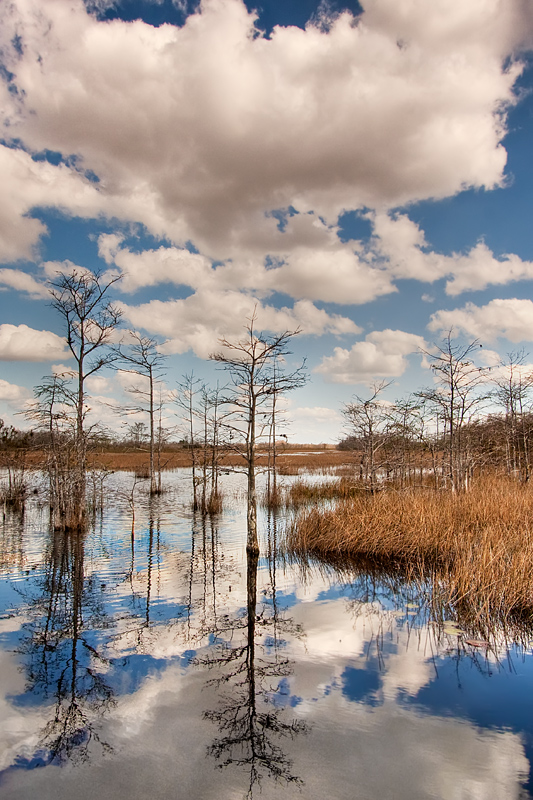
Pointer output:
x,y
133,380
62,371
13,394
151,267
98,384
224,125
199,321
27,184
501,372
22,282
479,269
21,343
335,275
309,263
381,355
53,269
103,410
510,319
317,413
401,246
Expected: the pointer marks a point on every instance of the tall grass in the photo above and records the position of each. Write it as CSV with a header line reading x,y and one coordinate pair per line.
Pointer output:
x,y
301,493
475,548
14,491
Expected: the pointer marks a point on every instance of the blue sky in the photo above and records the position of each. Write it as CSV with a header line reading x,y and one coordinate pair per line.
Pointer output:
x,y
360,171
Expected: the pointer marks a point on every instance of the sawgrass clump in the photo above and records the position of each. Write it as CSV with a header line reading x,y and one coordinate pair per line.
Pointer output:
x,y
476,547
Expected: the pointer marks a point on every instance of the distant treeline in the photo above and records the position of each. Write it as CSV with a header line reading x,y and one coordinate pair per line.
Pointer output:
x,y
12,439
409,454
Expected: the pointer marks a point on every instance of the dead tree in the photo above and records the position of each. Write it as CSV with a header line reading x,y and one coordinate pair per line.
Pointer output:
x,y
142,357
90,320
368,421
53,411
513,393
254,380
186,400
456,398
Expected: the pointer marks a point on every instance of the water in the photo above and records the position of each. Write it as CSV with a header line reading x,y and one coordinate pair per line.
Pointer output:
x,y
164,665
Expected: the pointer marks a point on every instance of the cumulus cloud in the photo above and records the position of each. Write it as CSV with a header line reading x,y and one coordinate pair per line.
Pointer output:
x,y
400,245
22,282
27,184
334,275
98,384
226,125
13,394
381,355
313,424
199,321
317,413
510,319
151,267
307,261
21,343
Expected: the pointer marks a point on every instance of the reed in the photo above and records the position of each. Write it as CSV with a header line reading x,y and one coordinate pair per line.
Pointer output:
x,y
475,548
301,493
214,503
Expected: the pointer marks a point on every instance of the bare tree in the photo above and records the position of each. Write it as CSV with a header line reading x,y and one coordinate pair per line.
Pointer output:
x,y
254,380
513,391
90,319
186,399
369,421
142,357
456,397
53,410
212,448
406,431
252,729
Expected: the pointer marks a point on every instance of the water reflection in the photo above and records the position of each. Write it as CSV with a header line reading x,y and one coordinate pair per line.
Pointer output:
x,y
164,647
251,665
61,657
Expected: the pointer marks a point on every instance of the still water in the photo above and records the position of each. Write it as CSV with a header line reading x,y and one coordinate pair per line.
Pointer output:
x,y
150,659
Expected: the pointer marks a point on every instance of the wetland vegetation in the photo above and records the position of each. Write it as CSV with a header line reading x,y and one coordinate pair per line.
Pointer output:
x,y
211,561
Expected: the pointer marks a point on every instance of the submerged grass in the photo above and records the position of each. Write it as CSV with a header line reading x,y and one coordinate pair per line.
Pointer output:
x,y
475,548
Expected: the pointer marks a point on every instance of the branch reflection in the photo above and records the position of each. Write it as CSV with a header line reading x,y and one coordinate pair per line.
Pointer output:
x,y
63,660
250,715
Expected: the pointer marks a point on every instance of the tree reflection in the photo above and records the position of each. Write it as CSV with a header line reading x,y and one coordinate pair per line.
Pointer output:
x,y
61,662
248,656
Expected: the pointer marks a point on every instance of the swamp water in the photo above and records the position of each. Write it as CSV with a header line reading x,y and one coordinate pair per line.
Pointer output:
x,y
155,661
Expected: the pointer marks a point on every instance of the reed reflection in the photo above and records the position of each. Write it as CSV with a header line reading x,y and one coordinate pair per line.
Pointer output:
x,y
12,555
63,659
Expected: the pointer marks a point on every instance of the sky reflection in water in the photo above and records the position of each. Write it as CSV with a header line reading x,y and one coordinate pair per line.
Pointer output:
x,y
158,662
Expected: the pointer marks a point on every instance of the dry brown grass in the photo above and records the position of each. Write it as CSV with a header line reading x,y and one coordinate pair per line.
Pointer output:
x,y
290,459
302,493
300,460
476,548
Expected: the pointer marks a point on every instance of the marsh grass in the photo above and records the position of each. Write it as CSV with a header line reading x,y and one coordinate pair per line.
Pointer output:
x,y
214,503
14,491
475,549
301,493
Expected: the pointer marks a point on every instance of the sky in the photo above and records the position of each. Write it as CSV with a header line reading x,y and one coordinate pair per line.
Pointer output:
x,y
360,172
